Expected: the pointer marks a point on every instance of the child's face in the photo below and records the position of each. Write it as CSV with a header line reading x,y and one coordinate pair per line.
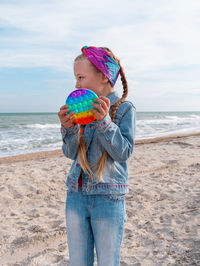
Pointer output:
x,y
87,77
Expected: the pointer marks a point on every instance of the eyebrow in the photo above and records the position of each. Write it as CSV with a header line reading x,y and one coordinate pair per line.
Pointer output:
x,y
79,74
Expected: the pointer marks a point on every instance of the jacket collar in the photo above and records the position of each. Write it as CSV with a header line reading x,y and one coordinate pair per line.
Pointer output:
x,y
113,97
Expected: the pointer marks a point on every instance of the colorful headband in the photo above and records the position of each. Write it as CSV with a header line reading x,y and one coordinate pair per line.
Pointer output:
x,y
103,61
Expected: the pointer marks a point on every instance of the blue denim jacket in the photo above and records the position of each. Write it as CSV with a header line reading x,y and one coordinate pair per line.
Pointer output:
x,y
117,138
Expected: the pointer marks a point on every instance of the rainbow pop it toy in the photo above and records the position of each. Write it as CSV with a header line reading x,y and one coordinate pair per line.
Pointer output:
x,y
80,101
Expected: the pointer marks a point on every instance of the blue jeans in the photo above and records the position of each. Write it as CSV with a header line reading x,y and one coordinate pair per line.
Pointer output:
x,y
94,220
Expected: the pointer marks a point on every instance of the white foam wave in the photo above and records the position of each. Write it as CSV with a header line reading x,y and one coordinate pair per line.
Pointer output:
x,y
43,126
170,120
42,133
153,134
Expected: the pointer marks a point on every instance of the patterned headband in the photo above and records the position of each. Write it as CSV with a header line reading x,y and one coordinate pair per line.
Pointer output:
x,y
103,61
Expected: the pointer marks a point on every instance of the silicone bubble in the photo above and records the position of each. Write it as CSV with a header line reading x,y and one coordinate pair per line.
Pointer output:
x,y
79,102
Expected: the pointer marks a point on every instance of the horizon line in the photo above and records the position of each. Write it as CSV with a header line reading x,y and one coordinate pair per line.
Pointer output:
x,y
46,112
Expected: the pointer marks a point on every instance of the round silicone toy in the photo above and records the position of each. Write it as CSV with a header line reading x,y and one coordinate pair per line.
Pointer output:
x,y
79,102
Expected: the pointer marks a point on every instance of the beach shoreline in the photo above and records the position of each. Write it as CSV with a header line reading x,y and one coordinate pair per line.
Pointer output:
x,y
58,152
162,206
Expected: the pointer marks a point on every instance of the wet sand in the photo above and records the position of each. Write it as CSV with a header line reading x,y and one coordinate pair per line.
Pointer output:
x,y
163,206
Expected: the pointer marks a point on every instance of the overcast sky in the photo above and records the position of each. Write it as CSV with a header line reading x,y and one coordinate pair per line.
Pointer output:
x,y
157,41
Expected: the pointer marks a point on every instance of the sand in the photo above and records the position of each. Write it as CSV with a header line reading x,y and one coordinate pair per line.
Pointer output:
x,y
163,206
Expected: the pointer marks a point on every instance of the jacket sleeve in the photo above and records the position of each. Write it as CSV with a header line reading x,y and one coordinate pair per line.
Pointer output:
x,y
118,140
69,137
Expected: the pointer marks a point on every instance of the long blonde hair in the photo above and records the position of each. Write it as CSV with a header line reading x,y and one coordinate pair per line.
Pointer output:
x,y
101,163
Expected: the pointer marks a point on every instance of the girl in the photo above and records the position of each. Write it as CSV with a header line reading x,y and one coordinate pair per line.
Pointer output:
x,y
98,178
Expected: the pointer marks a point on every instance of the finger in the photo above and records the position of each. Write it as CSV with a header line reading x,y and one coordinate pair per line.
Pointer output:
x,y
105,99
98,107
104,102
68,116
64,107
100,102
104,105
64,112
97,114
65,118
69,123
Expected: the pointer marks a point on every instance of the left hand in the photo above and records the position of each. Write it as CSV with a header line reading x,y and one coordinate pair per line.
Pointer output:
x,y
103,107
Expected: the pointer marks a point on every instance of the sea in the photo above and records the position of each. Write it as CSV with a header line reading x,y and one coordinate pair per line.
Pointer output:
x,y
22,133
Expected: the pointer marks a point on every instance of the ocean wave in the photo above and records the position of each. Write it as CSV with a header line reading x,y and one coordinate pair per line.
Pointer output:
x,y
21,134
42,126
140,134
170,120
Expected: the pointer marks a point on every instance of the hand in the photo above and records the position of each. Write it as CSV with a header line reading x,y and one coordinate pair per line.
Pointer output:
x,y
65,118
103,107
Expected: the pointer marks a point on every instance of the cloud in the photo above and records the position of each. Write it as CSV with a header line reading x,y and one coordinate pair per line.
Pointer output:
x,y
60,60
147,35
157,41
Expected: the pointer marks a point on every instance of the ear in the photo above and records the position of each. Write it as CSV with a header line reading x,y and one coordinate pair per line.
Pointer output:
x,y
105,80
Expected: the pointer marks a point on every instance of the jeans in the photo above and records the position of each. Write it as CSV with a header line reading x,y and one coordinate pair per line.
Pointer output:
x,y
94,220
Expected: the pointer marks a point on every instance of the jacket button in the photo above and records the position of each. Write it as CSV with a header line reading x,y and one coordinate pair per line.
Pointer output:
x,y
87,189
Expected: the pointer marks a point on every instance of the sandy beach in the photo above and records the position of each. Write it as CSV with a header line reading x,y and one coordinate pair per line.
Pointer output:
x,y
163,206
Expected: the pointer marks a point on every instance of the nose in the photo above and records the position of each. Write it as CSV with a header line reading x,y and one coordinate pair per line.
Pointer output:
x,y
77,85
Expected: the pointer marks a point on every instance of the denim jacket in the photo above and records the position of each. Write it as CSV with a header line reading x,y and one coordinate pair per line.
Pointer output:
x,y
117,138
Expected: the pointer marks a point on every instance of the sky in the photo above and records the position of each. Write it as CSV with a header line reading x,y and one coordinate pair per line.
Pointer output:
x,y
157,42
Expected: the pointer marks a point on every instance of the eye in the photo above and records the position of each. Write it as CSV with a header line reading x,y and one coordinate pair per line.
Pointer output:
x,y
80,77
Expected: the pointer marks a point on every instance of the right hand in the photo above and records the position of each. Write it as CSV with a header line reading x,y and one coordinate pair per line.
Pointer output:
x,y
65,118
